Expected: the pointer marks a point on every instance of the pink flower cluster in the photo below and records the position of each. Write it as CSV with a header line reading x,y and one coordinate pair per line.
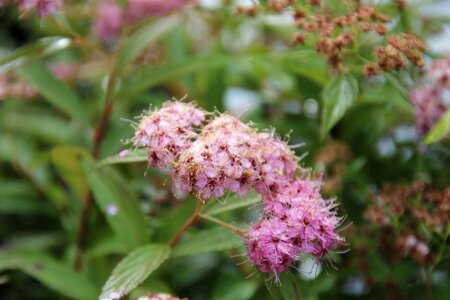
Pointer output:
x,y
230,156
297,220
430,100
167,132
110,17
42,7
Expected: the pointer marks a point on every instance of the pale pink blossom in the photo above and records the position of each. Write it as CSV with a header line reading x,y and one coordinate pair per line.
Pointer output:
x,y
108,20
140,9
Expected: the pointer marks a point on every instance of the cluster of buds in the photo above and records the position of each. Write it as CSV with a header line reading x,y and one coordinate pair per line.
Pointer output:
x,y
416,207
159,296
230,156
110,16
42,7
430,100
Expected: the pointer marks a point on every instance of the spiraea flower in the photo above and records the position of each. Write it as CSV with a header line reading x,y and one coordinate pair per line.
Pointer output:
x,y
296,221
108,20
278,164
224,157
168,131
430,100
42,7
140,9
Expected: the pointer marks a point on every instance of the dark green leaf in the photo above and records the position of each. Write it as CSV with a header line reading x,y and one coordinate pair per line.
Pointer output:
x,y
440,130
52,273
217,239
233,286
338,96
55,91
133,270
118,204
289,286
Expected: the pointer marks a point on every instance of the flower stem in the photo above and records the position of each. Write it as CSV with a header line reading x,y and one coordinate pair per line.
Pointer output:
x,y
192,219
234,229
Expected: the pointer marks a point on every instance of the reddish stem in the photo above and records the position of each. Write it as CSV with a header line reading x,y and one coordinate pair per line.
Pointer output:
x,y
192,219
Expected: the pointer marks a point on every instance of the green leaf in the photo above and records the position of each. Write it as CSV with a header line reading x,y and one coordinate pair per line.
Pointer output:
x,y
338,96
134,156
52,273
133,270
440,130
118,204
54,90
67,161
289,286
150,77
232,203
143,37
22,205
398,86
217,239
233,286
43,46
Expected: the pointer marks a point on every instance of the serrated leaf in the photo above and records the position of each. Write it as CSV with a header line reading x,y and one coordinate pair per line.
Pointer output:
x,y
133,156
143,37
118,204
338,96
440,130
52,89
217,239
133,270
67,161
233,203
52,273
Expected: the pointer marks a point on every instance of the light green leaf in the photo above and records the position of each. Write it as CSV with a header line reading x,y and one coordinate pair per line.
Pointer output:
x,y
133,270
217,239
43,46
232,203
398,86
133,156
52,273
440,130
338,96
67,161
54,90
118,204
143,37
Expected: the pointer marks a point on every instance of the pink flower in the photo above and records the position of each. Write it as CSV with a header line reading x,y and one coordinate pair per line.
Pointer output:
x,y
42,7
429,100
167,132
108,20
140,9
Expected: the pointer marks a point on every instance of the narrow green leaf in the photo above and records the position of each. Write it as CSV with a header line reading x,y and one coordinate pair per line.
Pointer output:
x,y
133,270
398,86
143,37
440,130
133,156
52,273
232,203
23,206
43,46
67,161
217,239
338,96
54,90
289,286
118,204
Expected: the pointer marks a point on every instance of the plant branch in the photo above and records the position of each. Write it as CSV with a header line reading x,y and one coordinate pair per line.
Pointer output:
x,y
234,229
192,219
